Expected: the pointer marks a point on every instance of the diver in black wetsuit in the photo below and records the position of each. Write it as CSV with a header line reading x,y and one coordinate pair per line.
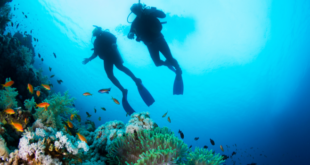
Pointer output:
x,y
147,28
105,47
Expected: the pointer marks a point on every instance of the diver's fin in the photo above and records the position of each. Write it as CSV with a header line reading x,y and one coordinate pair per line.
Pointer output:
x,y
178,85
126,105
145,95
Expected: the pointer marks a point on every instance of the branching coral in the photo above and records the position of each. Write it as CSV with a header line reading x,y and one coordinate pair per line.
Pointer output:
x,y
127,149
59,105
7,98
29,104
203,156
140,121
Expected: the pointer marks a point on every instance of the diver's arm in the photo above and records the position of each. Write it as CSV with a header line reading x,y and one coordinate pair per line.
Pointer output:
x,y
86,60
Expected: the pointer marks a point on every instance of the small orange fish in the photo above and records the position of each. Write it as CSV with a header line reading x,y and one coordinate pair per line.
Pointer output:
x,y
72,116
38,93
87,94
30,88
169,120
43,105
81,137
80,160
8,84
47,87
115,101
221,148
17,126
66,128
9,111
26,120
165,114
70,124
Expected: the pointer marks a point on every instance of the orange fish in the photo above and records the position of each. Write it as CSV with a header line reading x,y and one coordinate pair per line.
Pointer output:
x,y
9,111
81,137
38,93
30,88
115,101
47,87
26,120
66,128
17,126
221,148
72,116
80,160
8,84
169,120
70,124
87,94
43,105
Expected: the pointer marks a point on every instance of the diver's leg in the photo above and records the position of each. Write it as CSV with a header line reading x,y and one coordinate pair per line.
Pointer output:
x,y
154,52
165,50
108,67
121,67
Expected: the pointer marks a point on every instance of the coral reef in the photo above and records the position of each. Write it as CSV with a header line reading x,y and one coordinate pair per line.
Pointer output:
x,y
4,151
140,121
5,16
7,98
143,146
59,107
203,156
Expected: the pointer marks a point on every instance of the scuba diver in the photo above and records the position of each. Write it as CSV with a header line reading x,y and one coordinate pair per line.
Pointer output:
x,y
105,46
147,28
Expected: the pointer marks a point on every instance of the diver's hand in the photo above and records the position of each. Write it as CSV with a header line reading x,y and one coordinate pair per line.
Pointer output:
x,y
131,35
86,60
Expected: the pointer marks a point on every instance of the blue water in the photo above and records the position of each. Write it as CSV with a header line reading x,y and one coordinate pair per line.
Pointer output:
x,y
245,64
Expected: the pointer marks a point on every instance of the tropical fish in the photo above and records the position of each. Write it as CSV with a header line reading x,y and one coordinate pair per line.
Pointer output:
x,y
66,128
50,68
14,8
72,116
17,126
8,84
190,146
37,40
88,115
78,117
114,136
233,153
42,59
105,90
205,147
181,134
34,39
73,105
196,138
95,110
87,94
26,120
165,114
38,93
43,105
70,124
52,76
17,25
9,111
59,81
225,157
169,120
12,24
81,137
26,16
212,142
30,88
99,118
103,108
115,101
47,87
221,148
54,54
80,160
39,55
23,13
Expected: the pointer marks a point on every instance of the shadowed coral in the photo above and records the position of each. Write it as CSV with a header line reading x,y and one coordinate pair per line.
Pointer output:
x,y
59,105
203,156
127,149
29,104
7,98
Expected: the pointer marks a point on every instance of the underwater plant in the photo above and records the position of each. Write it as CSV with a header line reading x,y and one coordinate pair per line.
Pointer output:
x,y
58,106
159,146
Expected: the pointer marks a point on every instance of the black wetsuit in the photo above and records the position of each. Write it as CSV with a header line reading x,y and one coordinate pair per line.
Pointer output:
x,y
105,47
